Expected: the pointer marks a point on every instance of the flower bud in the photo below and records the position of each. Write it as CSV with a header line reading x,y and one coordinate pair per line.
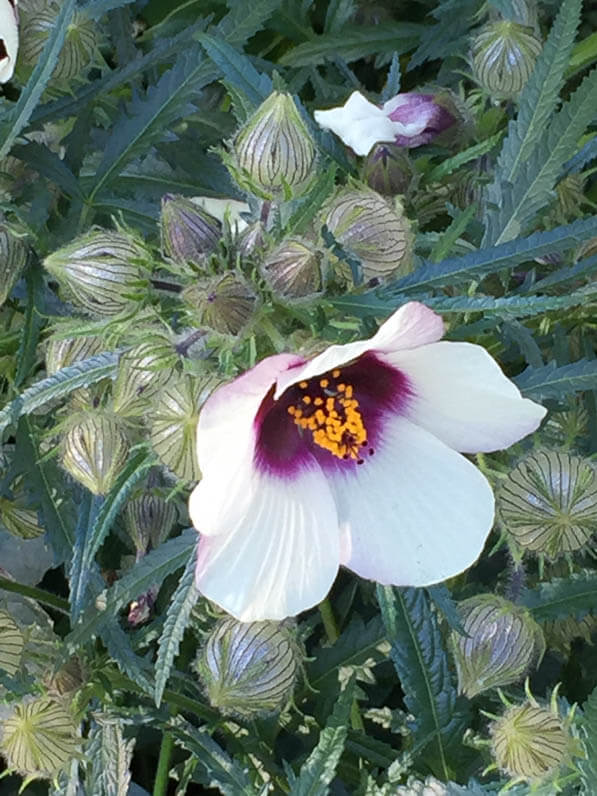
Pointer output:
x,y
249,669
173,419
142,371
560,633
530,742
224,304
189,233
140,609
67,680
293,269
18,520
11,645
62,352
252,239
13,257
367,226
388,170
274,153
80,45
100,271
548,503
149,520
503,57
39,739
503,642
94,451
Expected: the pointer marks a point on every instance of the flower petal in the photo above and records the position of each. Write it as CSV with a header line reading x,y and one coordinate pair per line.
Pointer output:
x,y
279,556
358,123
410,326
461,395
416,513
9,39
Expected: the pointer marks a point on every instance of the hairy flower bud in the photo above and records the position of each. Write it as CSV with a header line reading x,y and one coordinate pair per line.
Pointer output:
x,y
95,449
142,371
173,419
249,668
388,170
11,645
149,520
62,352
503,642
39,739
101,271
503,57
548,503
274,152
293,269
224,304
367,226
80,45
13,257
18,520
530,742
189,233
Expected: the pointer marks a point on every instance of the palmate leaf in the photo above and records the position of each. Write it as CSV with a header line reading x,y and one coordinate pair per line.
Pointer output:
x,y
574,596
319,768
219,769
588,725
538,98
19,115
110,757
531,189
354,42
150,571
553,381
586,155
81,374
422,665
177,618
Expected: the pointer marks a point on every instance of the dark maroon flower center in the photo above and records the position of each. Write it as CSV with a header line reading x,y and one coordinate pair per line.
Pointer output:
x,y
336,417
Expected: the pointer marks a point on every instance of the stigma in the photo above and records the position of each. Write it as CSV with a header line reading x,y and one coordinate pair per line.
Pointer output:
x,y
329,411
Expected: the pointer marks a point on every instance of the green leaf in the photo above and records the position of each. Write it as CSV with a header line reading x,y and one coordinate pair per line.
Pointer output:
x,y
177,618
46,162
20,114
319,768
149,571
586,267
552,381
337,15
32,325
354,42
586,155
450,235
95,9
237,69
422,665
531,190
539,97
81,374
588,725
575,596
119,646
309,206
221,771
109,755
449,165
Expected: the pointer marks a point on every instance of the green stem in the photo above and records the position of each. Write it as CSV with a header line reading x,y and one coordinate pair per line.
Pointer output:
x,y
160,786
40,595
329,620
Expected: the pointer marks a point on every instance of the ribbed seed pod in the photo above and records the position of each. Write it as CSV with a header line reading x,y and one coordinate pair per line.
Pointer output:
x,y
39,739
249,668
13,257
149,520
18,520
529,742
101,271
68,679
274,151
366,225
94,450
293,269
502,644
503,57
548,503
80,45
173,421
11,645
224,304
189,233
61,353
142,371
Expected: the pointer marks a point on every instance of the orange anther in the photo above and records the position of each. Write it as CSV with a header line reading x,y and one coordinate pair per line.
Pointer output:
x,y
303,385
324,383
